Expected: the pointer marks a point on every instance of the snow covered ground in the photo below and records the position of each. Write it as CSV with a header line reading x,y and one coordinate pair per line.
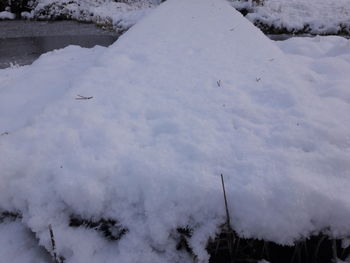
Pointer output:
x,y
273,16
19,245
173,106
119,15
311,16
112,14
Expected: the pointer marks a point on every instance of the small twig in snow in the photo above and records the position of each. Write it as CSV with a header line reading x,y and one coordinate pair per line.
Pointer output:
x,y
4,133
53,245
219,83
79,97
228,221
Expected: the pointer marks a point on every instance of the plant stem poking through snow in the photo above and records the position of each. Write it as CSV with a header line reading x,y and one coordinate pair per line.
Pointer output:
x,y
219,83
53,245
228,239
228,223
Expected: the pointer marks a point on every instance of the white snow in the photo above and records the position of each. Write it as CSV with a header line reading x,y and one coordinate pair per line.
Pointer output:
x,y
322,17
119,14
27,15
192,91
17,244
7,15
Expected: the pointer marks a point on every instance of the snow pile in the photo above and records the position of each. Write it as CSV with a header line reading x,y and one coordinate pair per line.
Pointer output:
x,y
192,91
7,15
120,15
311,16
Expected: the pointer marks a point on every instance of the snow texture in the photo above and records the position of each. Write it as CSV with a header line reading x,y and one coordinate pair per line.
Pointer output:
x,y
313,16
120,15
192,91
18,245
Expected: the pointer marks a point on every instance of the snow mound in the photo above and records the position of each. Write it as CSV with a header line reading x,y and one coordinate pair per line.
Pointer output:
x,y
192,91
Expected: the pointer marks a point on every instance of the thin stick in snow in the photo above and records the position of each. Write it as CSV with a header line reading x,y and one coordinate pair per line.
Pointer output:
x,y
228,222
79,97
53,245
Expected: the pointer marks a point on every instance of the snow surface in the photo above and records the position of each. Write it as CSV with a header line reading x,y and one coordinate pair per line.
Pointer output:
x,y
17,245
120,15
7,15
320,16
306,16
175,105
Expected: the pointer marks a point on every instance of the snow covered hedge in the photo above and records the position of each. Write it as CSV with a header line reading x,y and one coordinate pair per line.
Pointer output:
x,y
272,16
118,15
298,16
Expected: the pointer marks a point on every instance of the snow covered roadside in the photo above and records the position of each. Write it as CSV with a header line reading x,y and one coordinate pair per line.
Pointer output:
x,y
299,16
7,15
117,15
272,16
174,105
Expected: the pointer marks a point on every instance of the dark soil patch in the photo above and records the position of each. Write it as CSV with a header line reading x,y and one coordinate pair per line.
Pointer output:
x,y
228,247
